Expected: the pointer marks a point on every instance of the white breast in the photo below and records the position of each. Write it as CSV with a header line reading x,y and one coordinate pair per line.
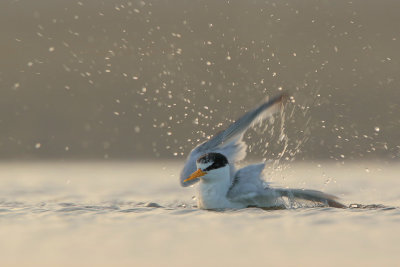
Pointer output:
x,y
213,190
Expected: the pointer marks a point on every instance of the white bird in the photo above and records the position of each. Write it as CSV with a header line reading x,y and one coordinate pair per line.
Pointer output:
x,y
212,163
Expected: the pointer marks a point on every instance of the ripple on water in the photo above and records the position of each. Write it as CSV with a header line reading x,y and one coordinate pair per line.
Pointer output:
x,y
70,208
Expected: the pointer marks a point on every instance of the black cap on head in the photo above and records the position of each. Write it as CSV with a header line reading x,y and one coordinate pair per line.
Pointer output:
x,y
218,160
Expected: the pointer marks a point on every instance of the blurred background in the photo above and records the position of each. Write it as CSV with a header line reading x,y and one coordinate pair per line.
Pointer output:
x,y
151,79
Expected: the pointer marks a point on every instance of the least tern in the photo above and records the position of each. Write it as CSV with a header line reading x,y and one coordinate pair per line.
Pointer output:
x,y
222,186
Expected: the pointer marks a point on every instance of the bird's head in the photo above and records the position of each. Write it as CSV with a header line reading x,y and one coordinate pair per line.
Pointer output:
x,y
210,166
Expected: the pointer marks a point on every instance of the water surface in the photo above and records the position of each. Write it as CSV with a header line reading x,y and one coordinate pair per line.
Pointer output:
x,y
136,214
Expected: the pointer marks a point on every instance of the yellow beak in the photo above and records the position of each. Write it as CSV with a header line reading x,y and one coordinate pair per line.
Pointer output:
x,y
196,174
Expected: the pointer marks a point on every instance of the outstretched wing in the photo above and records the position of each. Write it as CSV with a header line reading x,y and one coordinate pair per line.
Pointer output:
x,y
249,188
229,142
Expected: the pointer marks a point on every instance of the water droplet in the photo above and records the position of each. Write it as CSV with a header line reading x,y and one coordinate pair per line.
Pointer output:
x,y
377,129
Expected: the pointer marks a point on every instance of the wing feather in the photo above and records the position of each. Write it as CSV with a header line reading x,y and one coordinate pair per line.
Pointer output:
x,y
229,142
248,187
247,183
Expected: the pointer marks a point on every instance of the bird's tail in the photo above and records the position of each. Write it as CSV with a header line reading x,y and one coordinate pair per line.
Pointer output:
x,y
311,195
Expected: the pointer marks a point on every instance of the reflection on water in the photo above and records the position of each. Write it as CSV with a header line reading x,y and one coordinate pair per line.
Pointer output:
x,y
126,213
